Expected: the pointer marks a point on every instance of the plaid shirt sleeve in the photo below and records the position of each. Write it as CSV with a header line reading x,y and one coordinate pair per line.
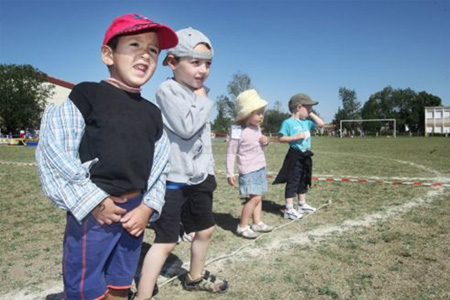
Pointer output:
x,y
65,180
154,196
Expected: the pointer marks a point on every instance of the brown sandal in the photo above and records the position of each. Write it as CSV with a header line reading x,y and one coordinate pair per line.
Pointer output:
x,y
208,282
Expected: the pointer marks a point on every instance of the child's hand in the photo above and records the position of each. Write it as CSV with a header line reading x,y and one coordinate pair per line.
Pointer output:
x,y
302,135
107,212
264,141
136,220
231,180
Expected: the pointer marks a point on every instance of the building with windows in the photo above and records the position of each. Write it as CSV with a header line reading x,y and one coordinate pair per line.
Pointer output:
x,y
437,120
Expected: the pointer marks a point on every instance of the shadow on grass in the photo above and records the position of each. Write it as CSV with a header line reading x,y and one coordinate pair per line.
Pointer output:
x,y
226,221
272,207
54,296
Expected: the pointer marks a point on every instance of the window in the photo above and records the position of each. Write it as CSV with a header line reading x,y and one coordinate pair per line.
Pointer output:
x,y
447,114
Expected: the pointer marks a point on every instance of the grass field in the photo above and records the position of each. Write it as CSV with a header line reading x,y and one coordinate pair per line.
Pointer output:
x,y
368,240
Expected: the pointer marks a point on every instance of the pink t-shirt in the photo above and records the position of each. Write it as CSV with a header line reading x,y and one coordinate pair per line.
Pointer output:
x,y
246,150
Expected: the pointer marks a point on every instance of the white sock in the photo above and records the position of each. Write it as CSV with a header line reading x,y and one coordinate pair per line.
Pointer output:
x,y
289,206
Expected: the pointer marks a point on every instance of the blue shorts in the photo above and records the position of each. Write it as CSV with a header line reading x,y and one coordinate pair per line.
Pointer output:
x,y
253,183
97,257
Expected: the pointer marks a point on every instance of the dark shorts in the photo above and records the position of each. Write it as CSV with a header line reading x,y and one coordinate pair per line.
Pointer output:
x,y
97,257
296,184
191,206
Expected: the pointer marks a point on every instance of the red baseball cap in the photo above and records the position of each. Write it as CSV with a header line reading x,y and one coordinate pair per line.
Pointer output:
x,y
136,23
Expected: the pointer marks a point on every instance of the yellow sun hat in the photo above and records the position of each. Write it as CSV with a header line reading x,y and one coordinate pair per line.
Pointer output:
x,y
247,102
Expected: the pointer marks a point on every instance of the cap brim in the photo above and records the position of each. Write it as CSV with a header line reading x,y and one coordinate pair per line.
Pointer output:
x,y
167,37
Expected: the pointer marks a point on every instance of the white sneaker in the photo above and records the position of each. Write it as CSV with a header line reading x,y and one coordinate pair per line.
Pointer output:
x,y
306,208
292,214
246,232
261,227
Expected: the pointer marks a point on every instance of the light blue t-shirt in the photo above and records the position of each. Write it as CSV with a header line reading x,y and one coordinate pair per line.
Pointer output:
x,y
292,126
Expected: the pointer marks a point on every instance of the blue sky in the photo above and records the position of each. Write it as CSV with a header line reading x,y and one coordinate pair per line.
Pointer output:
x,y
285,47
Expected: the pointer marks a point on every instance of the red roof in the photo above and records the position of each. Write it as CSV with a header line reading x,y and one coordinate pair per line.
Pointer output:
x,y
60,82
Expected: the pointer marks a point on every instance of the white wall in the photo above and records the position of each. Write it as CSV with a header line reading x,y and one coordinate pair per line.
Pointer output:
x,y
60,94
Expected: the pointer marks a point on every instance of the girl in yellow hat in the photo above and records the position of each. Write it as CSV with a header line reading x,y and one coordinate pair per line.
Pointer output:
x,y
246,148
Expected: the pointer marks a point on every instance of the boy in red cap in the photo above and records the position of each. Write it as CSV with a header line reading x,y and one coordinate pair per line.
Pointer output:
x,y
103,157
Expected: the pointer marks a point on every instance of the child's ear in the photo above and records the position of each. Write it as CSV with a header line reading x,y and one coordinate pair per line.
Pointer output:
x,y
171,61
107,55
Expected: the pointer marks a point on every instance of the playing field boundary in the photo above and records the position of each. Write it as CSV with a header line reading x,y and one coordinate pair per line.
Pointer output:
x,y
425,182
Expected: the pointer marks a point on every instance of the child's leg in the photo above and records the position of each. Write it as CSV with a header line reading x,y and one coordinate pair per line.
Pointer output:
x,y
166,236
292,185
291,191
249,210
114,294
151,268
257,211
301,198
199,251
199,211
301,191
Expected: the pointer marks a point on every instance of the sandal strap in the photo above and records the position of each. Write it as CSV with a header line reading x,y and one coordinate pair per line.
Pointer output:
x,y
206,283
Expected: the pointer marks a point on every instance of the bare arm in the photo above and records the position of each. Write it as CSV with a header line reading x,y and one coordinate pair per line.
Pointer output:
x,y
319,122
299,136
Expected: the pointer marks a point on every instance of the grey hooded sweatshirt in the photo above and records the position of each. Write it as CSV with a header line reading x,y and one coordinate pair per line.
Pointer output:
x,y
186,121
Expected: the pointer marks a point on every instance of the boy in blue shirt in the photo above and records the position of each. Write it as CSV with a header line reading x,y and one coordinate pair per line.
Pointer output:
x,y
103,157
297,166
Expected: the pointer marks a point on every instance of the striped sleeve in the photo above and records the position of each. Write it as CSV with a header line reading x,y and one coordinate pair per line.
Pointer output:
x,y
156,190
65,180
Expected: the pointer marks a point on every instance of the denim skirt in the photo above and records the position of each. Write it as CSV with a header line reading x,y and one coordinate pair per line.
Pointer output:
x,y
253,183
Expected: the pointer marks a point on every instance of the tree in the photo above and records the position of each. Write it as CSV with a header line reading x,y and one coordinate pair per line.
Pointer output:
x,y
23,96
404,105
273,119
351,108
225,114
226,108
417,117
240,82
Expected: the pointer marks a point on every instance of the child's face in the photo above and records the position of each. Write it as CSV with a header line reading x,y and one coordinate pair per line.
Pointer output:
x,y
303,111
192,72
135,58
256,118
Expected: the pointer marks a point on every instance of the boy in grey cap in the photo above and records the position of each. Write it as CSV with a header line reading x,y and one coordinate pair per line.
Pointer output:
x,y
186,108
297,166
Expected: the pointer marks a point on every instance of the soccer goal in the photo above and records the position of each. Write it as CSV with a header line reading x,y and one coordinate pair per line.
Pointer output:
x,y
379,127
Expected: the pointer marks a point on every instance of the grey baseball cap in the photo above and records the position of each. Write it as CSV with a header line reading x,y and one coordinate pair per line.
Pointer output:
x,y
188,39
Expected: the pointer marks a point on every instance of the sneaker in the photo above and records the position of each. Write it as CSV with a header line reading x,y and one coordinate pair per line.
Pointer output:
x,y
246,232
292,214
188,237
208,282
261,227
306,208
